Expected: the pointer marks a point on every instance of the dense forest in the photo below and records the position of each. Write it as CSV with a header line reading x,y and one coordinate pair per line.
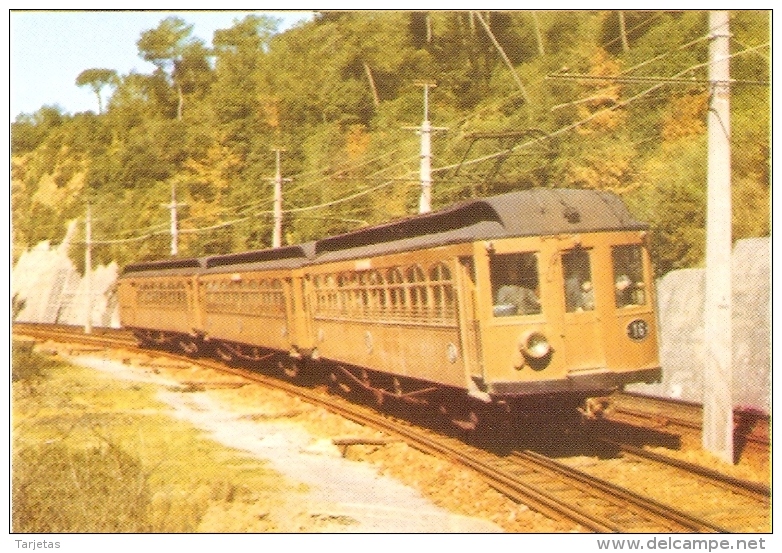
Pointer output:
x,y
600,99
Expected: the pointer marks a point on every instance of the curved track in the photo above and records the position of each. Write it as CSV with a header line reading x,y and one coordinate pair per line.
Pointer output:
x,y
548,486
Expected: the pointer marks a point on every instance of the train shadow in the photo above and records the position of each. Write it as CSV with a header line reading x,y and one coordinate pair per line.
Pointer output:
x,y
560,434
568,437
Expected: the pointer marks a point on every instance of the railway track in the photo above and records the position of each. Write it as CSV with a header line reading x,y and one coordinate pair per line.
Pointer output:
x,y
675,425
751,427
551,487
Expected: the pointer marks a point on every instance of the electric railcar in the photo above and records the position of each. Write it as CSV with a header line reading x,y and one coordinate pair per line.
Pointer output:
x,y
526,300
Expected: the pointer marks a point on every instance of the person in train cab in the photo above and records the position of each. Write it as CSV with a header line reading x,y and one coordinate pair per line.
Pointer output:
x,y
587,296
579,294
517,290
623,289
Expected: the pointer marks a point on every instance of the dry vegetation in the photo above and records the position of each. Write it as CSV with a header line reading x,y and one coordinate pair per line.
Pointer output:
x,y
94,454
84,440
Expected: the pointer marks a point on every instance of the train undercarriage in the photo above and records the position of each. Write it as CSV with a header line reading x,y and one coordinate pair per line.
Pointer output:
x,y
384,390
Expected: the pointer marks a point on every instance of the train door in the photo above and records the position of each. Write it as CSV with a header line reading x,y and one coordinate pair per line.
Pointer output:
x,y
300,310
193,305
581,329
128,301
469,325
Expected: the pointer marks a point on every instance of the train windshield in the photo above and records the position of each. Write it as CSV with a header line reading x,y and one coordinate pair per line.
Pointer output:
x,y
579,294
515,284
629,285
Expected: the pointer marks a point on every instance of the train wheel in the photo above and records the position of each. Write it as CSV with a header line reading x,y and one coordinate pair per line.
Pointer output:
x,y
188,345
467,421
223,353
291,368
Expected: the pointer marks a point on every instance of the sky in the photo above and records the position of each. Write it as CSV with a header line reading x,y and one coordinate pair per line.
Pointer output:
x,y
49,49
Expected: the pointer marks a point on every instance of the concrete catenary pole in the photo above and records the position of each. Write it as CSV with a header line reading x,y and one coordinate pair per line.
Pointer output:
x,y
278,180
425,203
174,223
425,130
88,270
718,373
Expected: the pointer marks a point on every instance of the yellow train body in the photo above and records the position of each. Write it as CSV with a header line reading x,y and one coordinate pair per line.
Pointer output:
x,y
525,296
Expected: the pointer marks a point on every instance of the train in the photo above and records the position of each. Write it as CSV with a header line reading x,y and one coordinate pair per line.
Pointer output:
x,y
526,302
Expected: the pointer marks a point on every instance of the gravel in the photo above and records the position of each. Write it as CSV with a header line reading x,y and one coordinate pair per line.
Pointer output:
x,y
361,488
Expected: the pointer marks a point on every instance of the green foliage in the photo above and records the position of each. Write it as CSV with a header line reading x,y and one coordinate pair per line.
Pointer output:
x,y
672,196
29,131
340,95
61,490
178,56
96,79
26,364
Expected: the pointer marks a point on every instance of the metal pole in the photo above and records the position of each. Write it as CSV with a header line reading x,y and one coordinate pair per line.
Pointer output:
x,y
425,130
425,172
718,373
174,223
425,203
88,270
277,235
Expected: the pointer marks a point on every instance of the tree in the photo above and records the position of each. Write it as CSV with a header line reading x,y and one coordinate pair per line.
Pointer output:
x,y
96,79
171,48
237,90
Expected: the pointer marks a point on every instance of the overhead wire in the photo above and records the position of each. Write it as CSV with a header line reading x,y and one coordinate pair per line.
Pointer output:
x,y
457,121
585,120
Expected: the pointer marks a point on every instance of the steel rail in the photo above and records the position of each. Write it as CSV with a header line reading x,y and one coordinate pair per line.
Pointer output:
x,y
644,506
755,490
484,463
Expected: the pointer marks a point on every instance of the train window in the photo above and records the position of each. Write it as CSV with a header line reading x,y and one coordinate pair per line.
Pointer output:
x,y
629,285
331,301
416,280
442,291
396,293
579,294
377,292
515,284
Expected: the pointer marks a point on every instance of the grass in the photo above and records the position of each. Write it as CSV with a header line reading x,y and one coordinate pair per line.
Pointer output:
x,y
96,454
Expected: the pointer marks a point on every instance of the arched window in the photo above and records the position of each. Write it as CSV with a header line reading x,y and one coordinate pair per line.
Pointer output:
x,y
396,292
442,293
416,291
377,292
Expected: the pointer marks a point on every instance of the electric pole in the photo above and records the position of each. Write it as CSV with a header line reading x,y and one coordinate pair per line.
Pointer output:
x,y
174,224
278,180
718,345
425,130
88,269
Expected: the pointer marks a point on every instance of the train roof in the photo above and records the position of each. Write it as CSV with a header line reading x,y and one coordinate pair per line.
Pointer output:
x,y
166,267
536,212
286,257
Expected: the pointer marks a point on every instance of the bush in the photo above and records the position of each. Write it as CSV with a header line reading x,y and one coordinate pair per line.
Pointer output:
x,y
58,489
27,364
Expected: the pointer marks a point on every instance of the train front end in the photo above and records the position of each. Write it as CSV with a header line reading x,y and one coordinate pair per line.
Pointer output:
x,y
566,315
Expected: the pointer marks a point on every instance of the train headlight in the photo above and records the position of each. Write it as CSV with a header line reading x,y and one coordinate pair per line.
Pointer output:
x,y
534,345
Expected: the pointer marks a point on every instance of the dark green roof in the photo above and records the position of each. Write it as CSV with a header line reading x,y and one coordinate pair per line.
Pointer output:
x,y
536,212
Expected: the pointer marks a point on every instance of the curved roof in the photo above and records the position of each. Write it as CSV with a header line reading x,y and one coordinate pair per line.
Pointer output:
x,y
286,257
167,266
536,212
